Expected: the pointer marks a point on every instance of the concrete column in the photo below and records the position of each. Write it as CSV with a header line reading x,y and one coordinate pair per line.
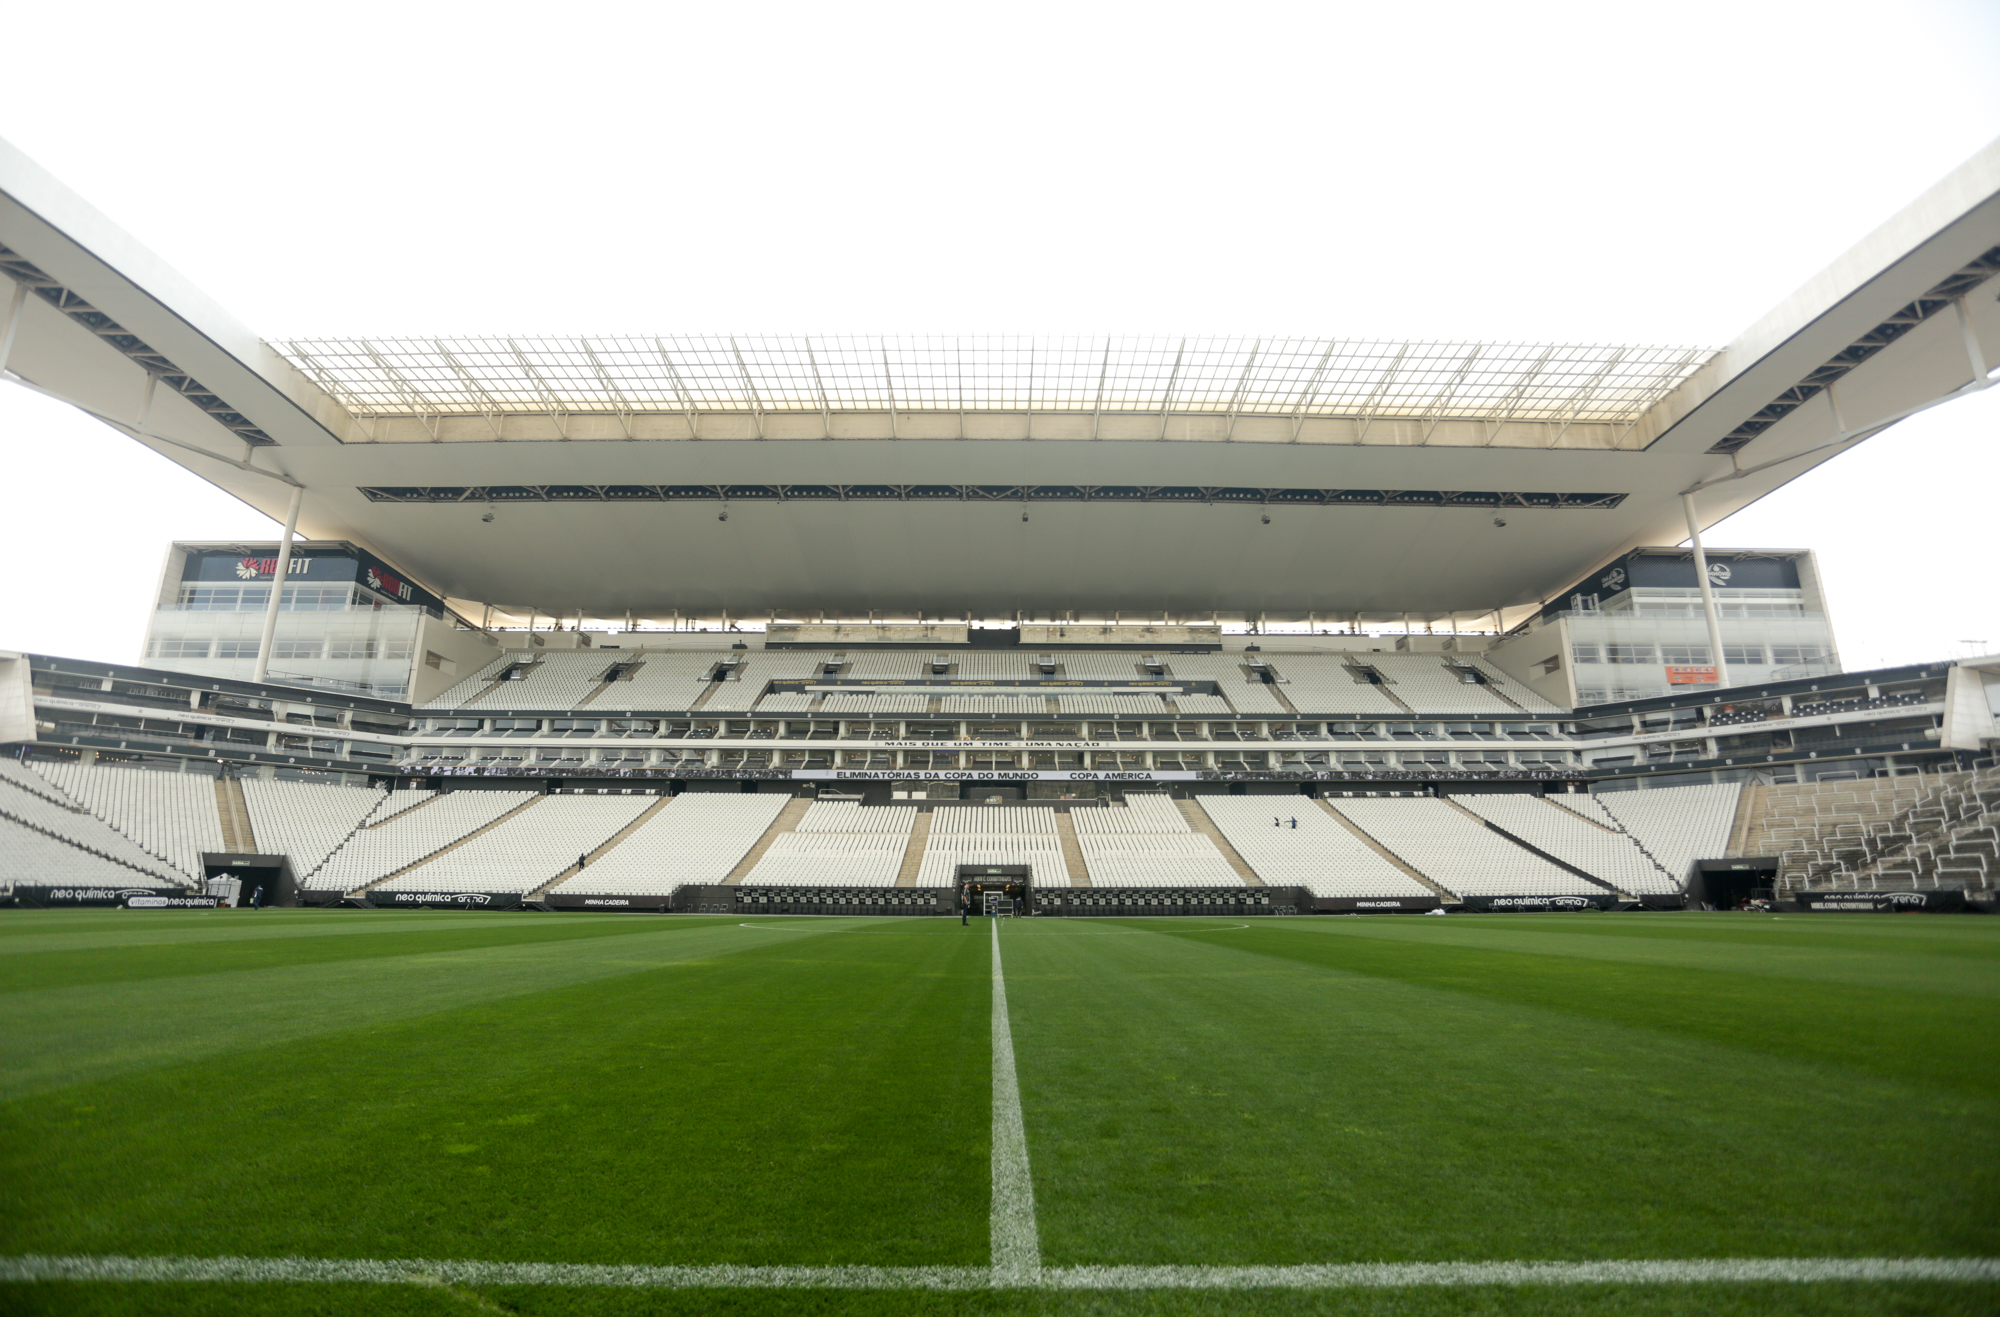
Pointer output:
x,y
1707,592
278,585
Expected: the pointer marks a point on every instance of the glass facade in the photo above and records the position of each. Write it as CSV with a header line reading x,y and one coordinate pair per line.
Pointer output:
x,y
1629,649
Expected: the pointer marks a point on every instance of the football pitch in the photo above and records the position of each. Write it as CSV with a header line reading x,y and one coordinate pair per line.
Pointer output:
x,y
295,1111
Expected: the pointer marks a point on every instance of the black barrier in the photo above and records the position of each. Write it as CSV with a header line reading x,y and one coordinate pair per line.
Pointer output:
x,y
443,900
1129,902
1945,900
128,898
1363,905
572,901
1540,904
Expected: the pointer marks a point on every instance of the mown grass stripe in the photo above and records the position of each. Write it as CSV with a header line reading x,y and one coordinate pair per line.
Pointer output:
x,y
1017,1252
1364,1275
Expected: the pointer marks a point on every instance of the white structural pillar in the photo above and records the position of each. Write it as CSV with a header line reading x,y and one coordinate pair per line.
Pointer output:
x,y
1707,593
278,585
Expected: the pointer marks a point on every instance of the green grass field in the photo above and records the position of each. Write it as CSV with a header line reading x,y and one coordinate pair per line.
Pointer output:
x,y
690,1091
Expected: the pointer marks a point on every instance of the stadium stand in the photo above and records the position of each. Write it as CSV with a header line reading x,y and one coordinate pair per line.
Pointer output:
x,y
696,838
740,692
171,815
1148,843
1204,705
1614,857
791,702
1117,706
665,680
46,839
1319,854
839,844
1323,684
410,835
843,705
1457,852
995,706
1114,667
1674,825
308,821
1248,695
527,849
978,663
974,834
879,665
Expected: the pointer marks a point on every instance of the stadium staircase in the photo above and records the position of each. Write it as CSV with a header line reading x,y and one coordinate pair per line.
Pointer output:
x,y
913,855
1535,850
1948,837
1393,698
233,812
1199,820
1079,872
513,813
787,821
1815,829
591,857
1368,840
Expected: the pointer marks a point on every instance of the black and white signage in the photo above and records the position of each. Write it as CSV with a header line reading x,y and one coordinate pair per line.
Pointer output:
x,y
129,898
457,900
1876,902
1540,904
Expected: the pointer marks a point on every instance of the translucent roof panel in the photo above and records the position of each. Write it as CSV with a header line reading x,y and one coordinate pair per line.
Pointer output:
x,y
1296,377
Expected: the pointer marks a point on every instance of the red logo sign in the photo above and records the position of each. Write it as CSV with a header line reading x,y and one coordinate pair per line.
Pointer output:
x,y
1689,675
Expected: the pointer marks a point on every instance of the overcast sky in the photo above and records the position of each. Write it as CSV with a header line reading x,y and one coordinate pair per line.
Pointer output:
x,y
1584,173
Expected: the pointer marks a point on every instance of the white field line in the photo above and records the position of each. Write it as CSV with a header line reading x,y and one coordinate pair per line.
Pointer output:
x,y
1017,1250
1363,1275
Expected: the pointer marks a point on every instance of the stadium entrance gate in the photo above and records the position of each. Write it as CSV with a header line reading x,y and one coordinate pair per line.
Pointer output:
x,y
996,889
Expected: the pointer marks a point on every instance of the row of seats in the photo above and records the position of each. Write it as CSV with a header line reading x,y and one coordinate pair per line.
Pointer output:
x,y
1574,839
171,815
1457,852
1002,820
411,833
1148,842
842,705
1676,825
1318,854
696,838
995,706
83,851
529,848
306,820
838,844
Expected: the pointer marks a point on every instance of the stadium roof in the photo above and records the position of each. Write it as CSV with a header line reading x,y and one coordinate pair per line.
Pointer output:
x,y
1494,384
940,476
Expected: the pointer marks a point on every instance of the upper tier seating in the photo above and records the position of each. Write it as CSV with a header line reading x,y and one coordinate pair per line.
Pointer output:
x,y
1677,825
1423,682
528,849
995,706
790,702
696,838
1458,853
400,839
988,663
759,671
172,815
457,695
1322,684
886,665
307,821
667,681
82,852
839,844
1128,706
869,706
1203,706
1251,697
1319,854
1111,667
1564,834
